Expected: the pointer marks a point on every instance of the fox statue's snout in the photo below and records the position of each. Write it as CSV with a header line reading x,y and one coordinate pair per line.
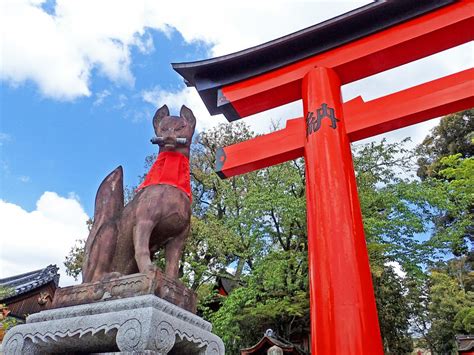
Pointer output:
x,y
123,239
161,141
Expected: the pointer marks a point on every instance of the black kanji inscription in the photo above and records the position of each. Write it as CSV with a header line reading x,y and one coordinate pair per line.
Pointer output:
x,y
313,123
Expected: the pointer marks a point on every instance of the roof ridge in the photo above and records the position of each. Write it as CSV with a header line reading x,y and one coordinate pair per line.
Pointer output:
x,y
25,282
6,279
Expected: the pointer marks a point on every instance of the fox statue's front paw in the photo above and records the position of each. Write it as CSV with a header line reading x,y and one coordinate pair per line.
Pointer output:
x,y
152,269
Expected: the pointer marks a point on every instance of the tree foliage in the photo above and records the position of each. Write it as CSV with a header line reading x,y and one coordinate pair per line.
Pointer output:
x,y
6,322
441,306
75,257
445,159
453,135
393,310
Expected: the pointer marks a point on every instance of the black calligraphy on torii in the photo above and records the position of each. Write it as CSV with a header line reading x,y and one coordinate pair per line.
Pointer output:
x,y
314,123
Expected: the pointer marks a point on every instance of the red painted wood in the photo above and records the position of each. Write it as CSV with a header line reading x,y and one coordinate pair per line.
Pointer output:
x,y
363,119
436,98
428,34
264,151
343,311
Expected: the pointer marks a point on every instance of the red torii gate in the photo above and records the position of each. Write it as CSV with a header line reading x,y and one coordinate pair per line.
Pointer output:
x,y
311,65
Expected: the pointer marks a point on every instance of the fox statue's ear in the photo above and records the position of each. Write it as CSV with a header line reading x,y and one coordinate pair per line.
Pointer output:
x,y
160,113
188,115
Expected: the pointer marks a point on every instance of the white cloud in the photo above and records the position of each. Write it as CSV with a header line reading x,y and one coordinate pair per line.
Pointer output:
x,y
235,25
25,179
187,96
58,50
33,240
4,138
100,97
397,268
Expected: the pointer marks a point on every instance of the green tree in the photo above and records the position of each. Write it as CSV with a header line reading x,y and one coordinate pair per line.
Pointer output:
x,y
6,292
270,299
6,322
453,135
447,312
458,221
393,310
221,234
445,160
442,302
75,257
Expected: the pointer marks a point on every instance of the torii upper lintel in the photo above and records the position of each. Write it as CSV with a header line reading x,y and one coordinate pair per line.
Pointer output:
x,y
363,42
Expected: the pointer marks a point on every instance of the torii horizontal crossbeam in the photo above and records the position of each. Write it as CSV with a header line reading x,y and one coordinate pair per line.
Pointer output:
x,y
366,41
418,38
363,119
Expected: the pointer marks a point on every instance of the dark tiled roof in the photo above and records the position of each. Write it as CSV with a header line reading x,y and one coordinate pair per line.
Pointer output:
x,y
30,280
268,341
465,342
228,284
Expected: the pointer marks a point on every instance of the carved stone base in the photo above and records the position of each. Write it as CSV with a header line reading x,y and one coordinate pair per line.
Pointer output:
x,y
136,325
155,283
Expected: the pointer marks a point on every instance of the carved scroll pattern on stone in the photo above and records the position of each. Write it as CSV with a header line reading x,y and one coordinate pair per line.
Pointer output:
x,y
212,349
164,337
129,336
14,345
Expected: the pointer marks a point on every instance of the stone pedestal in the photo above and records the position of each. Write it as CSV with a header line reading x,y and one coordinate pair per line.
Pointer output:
x,y
136,325
154,282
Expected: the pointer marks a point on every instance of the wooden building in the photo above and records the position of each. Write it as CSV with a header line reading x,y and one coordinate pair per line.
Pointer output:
x,y
31,292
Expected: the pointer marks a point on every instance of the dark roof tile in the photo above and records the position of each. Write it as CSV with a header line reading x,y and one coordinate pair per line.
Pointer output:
x,y
31,280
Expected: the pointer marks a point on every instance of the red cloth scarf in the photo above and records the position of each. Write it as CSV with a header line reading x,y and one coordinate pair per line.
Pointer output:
x,y
170,168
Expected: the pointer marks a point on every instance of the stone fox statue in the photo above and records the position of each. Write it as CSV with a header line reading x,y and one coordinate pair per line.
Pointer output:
x,y
122,240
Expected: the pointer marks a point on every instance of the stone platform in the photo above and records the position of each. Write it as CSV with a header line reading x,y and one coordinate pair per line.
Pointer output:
x,y
155,282
136,325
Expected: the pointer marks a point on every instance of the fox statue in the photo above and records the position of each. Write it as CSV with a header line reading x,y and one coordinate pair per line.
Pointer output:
x,y
123,239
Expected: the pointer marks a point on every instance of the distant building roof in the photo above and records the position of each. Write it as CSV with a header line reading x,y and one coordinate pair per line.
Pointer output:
x,y
465,343
226,284
267,342
31,280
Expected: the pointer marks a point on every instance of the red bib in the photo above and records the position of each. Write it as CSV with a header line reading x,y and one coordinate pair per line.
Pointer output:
x,y
170,168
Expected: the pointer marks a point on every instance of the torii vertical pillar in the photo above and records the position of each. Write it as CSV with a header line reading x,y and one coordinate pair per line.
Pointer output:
x,y
343,310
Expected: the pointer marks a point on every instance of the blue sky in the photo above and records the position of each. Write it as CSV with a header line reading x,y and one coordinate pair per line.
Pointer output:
x,y
80,80
69,146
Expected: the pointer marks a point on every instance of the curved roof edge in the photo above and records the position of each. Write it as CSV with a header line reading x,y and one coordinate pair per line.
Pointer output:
x,y
26,282
210,74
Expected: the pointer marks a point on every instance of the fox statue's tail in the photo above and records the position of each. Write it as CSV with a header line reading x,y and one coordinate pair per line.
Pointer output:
x,y
102,239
